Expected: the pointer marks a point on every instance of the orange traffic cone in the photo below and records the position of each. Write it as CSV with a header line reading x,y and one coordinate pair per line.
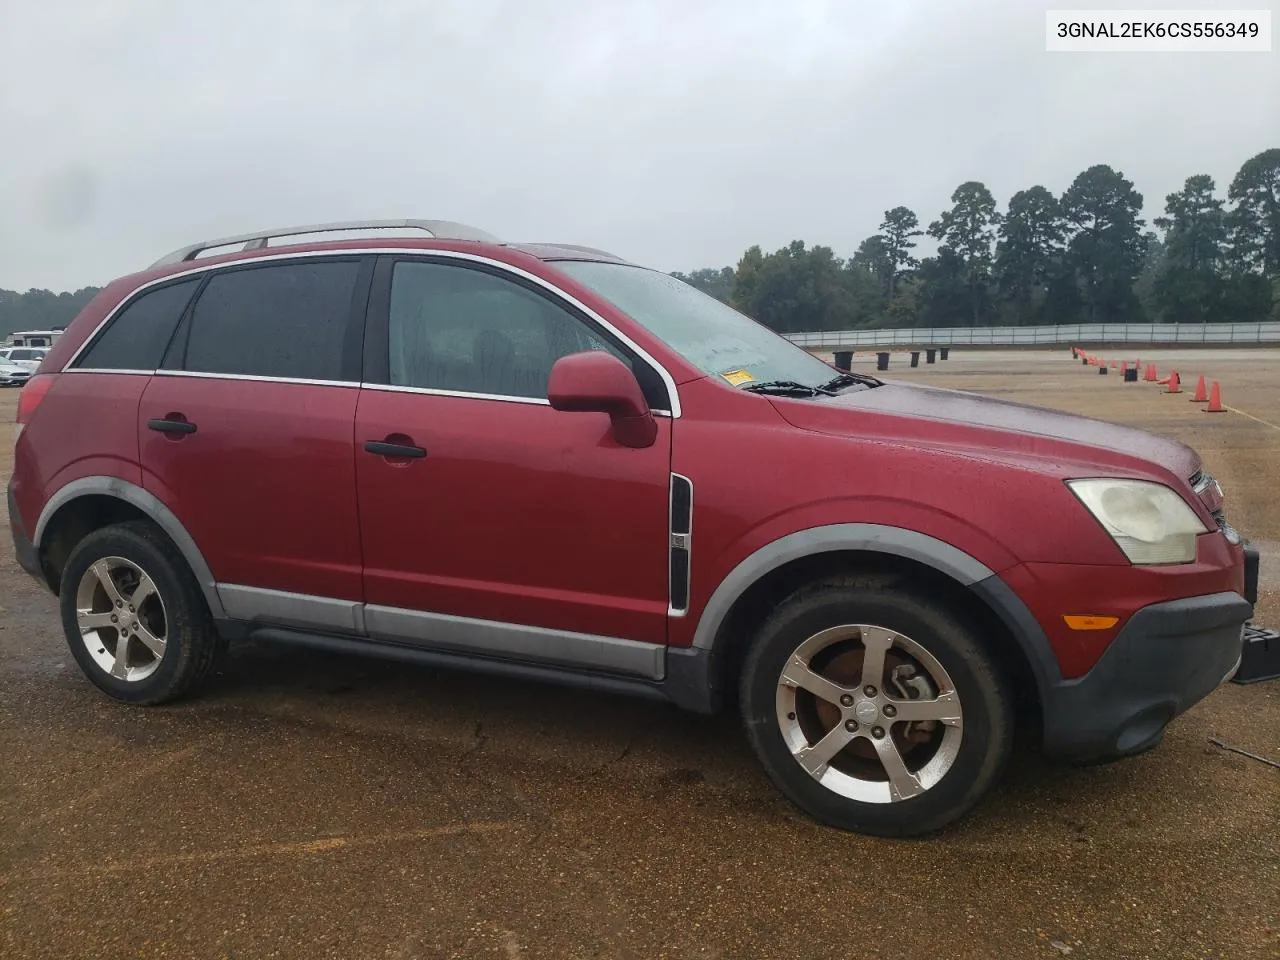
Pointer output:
x,y
1151,373
1215,400
1173,383
1201,394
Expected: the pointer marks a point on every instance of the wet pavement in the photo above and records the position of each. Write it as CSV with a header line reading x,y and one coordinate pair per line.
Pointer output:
x,y
315,806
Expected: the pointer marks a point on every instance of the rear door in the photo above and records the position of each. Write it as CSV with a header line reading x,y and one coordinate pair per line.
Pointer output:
x,y
515,513
246,434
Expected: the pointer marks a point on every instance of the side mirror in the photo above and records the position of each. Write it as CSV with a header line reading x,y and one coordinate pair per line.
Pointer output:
x,y
598,382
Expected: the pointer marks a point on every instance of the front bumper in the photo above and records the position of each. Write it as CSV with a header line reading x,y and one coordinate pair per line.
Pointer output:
x,y
1168,657
1251,558
23,548
14,379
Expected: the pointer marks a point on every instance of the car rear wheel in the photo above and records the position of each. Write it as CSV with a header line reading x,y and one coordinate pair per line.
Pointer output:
x,y
134,617
875,709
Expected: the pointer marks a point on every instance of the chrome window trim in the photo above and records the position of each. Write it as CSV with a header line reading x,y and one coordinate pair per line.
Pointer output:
x,y
201,375
351,384
667,380
467,395
136,373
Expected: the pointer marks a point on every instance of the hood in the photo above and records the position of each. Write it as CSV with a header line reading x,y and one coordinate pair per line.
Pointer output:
x,y
981,425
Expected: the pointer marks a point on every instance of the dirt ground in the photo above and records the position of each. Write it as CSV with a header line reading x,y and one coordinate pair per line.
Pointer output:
x,y
313,806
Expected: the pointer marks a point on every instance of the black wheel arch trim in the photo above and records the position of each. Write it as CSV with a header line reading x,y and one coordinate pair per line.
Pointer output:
x,y
690,674
152,507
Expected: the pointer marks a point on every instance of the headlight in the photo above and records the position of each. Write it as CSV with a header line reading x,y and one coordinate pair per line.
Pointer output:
x,y
1148,521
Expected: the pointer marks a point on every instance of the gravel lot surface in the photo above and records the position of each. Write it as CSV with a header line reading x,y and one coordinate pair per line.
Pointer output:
x,y
314,806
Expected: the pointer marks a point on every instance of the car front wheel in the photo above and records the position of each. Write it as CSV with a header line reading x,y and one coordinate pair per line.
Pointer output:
x,y
874,708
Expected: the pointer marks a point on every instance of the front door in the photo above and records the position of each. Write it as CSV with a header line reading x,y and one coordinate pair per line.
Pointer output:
x,y
491,509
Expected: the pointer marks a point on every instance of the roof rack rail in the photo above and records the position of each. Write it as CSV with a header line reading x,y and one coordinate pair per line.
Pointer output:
x,y
439,229
582,249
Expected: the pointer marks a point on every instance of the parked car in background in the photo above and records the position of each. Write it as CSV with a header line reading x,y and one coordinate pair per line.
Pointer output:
x,y
28,358
542,461
13,373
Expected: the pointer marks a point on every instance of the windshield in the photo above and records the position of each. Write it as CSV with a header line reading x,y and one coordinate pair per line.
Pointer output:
x,y
715,338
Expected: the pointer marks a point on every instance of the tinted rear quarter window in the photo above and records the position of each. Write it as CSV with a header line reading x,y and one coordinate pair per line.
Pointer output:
x,y
287,320
137,336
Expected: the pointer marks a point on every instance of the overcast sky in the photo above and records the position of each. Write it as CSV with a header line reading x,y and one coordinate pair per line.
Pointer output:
x,y
673,132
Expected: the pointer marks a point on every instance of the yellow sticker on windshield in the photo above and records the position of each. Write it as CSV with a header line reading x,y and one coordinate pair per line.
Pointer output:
x,y
736,377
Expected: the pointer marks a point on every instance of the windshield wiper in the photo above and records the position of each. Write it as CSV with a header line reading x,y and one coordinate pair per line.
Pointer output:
x,y
848,380
787,388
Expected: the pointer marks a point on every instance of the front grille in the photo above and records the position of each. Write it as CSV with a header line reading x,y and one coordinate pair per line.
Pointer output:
x,y
1210,494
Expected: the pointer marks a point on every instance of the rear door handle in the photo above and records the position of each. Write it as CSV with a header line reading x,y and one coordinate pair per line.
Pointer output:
x,y
402,450
172,426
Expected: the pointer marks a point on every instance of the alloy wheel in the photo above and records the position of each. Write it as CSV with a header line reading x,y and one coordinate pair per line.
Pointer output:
x,y
869,713
121,618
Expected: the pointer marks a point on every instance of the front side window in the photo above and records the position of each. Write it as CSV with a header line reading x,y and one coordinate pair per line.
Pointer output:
x,y
286,320
467,331
715,338
137,336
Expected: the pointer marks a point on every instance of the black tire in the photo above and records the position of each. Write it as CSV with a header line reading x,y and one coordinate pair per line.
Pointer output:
x,y
988,717
192,644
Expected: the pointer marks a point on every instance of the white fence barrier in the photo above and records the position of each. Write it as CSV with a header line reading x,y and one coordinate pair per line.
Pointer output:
x,y
1066,335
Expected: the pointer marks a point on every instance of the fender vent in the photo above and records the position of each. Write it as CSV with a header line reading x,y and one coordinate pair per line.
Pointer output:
x,y
681,540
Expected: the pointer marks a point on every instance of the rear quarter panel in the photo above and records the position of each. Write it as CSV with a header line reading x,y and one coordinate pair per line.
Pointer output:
x,y
85,426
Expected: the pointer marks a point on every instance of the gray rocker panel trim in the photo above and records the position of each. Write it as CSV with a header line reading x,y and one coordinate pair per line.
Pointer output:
x,y
291,609
444,633
582,651
148,504
874,537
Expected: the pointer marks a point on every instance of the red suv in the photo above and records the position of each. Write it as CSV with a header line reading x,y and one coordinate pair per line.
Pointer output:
x,y
545,462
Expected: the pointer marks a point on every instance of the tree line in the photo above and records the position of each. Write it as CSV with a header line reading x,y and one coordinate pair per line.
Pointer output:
x,y
40,309
1082,257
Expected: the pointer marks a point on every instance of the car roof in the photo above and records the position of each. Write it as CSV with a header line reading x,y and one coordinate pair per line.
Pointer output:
x,y
422,232
510,253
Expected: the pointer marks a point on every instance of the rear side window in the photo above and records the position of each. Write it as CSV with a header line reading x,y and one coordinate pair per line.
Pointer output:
x,y
287,320
136,338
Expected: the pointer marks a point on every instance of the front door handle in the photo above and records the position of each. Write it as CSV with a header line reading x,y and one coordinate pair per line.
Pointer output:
x,y
166,425
400,450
